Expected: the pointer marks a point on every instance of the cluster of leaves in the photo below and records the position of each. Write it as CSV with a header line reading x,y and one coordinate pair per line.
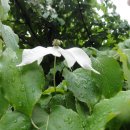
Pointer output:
x,y
75,22
83,100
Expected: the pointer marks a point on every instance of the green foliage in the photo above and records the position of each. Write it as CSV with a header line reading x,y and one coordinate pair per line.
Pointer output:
x,y
14,121
107,109
75,22
124,51
110,80
4,8
22,86
3,105
81,84
59,118
10,38
81,100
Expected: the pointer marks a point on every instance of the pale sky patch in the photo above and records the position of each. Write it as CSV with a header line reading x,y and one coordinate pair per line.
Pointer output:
x,y
122,9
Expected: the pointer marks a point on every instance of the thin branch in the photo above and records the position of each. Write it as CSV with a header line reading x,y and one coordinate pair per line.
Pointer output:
x,y
82,18
26,18
14,21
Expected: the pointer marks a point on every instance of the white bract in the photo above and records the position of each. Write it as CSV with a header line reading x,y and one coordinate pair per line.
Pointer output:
x,y
71,56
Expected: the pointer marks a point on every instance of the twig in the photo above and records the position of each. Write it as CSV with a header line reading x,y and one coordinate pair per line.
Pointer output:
x,y
82,17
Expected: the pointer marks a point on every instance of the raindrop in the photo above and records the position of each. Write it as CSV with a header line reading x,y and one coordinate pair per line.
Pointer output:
x,y
81,95
8,81
17,96
24,120
13,60
14,73
23,88
23,127
12,79
19,68
69,120
78,86
41,86
85,86
15,121
59,127
33,90
20,104
65,120
83,124
10,66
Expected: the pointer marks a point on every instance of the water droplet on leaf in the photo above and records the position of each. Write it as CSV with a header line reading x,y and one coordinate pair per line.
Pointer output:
x,y
69,120
83,124
85,86
15,121
33,90
10,66
20,104
23,127
13,79
23,88
81,95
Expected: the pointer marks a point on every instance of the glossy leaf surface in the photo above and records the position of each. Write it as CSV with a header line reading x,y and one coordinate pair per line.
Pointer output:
x,y
22,85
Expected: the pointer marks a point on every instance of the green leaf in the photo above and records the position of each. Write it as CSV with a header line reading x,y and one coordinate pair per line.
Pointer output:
x,y
82,110
127,53
114,124
60,118
4,8
110,80
10,38
14,121
58,99
5,5
3,104
40,117
45,100
125,59
81,84
70,101
107,109
22,85
53,90
1,46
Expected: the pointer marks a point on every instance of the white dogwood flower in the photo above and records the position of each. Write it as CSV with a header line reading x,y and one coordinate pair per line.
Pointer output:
x,y
71,56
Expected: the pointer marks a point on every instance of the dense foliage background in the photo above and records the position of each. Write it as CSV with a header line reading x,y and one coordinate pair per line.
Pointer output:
x,y
76,22
83,100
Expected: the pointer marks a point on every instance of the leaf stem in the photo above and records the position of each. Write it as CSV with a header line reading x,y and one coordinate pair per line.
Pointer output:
x,y
34,125
54,74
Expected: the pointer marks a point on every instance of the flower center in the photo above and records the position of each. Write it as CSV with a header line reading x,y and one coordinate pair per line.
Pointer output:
x,y
56,42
